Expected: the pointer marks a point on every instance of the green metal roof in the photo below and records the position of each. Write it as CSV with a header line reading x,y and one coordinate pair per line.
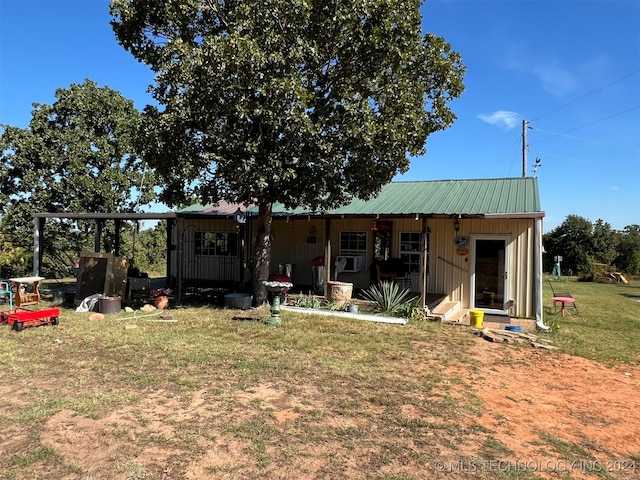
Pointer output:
x,y
497,196
446,197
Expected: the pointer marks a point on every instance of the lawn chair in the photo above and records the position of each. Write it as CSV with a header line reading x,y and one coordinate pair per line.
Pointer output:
x,y
561,294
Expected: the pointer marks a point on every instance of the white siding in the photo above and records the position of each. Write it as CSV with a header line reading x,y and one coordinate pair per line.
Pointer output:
x,y
448,272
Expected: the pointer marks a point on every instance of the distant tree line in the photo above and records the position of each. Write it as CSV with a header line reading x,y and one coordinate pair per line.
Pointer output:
x,y
583,245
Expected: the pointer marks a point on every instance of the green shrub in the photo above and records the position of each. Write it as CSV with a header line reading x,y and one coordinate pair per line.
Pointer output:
x,y
307,301
389,299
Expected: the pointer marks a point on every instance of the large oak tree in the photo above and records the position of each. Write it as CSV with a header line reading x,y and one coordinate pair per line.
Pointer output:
x,y
303,102
77,155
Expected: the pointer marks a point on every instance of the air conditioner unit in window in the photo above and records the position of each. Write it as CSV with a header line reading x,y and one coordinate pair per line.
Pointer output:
x,y
353,263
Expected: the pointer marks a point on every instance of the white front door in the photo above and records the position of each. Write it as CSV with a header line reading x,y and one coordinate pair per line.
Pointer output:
x,y
490,273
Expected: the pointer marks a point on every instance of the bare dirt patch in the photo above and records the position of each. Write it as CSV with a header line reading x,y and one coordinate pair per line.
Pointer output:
x,y
530,406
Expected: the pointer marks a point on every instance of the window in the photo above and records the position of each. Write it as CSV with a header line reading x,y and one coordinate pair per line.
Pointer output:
x,y
222,244
410,244
353,243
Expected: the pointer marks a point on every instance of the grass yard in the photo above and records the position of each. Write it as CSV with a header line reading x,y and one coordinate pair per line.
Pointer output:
x,y
220,395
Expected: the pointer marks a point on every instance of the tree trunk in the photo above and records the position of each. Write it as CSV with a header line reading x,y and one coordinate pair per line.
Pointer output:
x,y
262,253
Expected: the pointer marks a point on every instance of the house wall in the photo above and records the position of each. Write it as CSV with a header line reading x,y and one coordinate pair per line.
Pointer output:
x,y
297,242
450,273
300,240
198,267
290,245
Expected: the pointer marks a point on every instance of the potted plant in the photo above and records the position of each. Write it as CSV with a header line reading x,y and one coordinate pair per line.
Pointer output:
x,y
161,298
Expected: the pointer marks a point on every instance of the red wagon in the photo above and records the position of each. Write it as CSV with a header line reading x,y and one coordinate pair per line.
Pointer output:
x,y
19,318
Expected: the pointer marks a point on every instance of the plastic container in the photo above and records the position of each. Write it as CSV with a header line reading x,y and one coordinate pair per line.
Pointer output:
x,y
476,317
240,301
110,304
317,277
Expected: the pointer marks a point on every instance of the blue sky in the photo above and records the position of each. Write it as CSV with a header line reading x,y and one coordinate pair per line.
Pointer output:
x,y
571,68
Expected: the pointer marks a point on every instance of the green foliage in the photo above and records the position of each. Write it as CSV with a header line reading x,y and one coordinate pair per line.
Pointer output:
x,y
146,249
389,299
302,103
13,260
412,310
77,155
260,94
307,301
628,259
582,244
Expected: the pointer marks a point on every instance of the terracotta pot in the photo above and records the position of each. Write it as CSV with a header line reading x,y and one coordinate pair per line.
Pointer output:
x,y
161,302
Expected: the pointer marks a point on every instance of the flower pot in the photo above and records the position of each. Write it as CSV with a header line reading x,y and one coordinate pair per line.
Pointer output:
x,y
340,292
161,302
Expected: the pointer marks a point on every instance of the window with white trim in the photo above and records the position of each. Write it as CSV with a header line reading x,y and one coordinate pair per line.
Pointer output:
x,y
410,244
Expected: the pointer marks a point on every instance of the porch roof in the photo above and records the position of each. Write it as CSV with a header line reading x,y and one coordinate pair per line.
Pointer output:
x,y
473,197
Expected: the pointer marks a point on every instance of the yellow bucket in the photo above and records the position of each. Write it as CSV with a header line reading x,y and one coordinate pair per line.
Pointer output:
x,y
475,317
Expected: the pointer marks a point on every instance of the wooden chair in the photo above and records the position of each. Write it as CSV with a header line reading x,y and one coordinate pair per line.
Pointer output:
x,y
561,294
5,291
382,275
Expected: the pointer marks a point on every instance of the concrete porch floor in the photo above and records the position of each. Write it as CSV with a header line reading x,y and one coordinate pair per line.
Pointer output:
x,y
495,322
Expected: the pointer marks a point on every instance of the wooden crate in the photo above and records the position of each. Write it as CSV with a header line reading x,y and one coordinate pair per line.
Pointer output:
x,y
100,273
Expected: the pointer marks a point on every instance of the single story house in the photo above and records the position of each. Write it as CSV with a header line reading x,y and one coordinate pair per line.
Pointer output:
x,y
476,242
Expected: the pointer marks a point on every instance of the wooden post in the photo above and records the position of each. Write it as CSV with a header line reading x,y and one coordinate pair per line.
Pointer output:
x,y
98,235
327,257
118,223
425,262
38,237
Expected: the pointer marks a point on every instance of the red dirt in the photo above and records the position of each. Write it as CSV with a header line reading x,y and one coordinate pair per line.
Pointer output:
x,y
527,397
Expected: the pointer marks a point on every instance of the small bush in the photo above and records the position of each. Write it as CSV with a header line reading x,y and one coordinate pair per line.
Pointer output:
x,y
307,301
389,299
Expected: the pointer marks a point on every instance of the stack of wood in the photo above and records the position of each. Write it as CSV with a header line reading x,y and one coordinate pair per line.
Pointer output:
x,y
506,336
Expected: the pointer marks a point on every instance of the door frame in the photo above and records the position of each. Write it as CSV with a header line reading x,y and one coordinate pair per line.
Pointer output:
x,y
506,274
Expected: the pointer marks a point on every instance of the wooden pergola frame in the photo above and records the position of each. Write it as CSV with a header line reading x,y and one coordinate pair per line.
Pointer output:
x,y
39,220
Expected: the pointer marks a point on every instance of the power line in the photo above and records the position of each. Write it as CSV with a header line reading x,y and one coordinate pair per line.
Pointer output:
x,y
586,125
586,95
568,136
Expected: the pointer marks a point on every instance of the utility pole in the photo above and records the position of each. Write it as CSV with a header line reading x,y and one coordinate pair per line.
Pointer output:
x,y
524,148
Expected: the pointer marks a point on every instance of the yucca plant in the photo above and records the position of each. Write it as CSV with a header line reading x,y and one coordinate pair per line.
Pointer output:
x,y
388,298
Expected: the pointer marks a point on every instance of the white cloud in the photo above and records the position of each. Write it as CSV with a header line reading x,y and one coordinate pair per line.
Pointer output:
x,y
553,75
502,118
555,79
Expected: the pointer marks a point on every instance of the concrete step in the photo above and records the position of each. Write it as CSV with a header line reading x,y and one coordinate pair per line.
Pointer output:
x,y
444,309
458,317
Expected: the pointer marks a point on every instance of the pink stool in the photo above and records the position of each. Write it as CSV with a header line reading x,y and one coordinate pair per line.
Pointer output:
x,y
564,301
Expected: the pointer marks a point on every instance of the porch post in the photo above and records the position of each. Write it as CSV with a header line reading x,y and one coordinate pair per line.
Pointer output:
x,y
38,232
179,252
170,250
425,262
327,256
98,235
118,224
